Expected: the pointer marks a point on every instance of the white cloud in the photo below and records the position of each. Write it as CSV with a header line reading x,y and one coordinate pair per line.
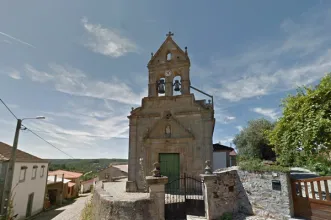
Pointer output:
x,y
269,112
107,41
14,74
16,39
302,56
227,141
36,75
90,129
239,127
74,82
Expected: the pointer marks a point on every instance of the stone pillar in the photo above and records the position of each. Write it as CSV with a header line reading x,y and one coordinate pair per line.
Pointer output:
x,y
156,185
185,81
131,183
168,86
208,179
220,193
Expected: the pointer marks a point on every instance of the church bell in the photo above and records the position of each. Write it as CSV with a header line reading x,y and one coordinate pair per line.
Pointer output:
x,y
177,86
161,86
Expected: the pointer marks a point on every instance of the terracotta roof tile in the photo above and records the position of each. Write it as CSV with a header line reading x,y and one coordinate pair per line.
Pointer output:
x,y
70,184
233,153
21,156
67,174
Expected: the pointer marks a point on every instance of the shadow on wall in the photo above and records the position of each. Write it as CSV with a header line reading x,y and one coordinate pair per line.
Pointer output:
x,y
244,205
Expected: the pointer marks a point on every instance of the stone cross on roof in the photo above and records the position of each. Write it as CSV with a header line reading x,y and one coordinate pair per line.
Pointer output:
x,y
170,34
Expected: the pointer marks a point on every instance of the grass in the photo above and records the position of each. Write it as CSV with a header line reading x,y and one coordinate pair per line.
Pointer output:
x,y
87,211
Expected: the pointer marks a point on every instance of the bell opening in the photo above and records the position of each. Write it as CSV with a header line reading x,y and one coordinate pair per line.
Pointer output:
x,y
177,85
161,86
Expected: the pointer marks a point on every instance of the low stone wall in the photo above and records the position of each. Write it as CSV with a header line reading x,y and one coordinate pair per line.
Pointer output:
x,y
265,200
106,207
246,192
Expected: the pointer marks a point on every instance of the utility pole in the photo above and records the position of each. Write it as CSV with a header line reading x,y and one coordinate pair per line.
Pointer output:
x,y
10,170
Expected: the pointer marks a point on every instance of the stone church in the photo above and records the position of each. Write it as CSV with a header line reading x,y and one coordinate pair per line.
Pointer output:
x,y
171,127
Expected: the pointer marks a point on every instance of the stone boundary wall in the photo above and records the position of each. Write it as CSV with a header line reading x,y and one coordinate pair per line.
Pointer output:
x,y
104,207
251,193
265,200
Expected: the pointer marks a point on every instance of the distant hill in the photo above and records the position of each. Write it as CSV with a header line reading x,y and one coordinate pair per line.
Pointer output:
x,y
83,165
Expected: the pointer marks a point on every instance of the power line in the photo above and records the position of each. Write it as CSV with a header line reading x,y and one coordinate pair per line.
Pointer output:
x,y
25,128
49,143
8,108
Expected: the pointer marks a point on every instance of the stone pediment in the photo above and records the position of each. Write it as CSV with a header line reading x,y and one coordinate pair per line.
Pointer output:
x,y
168,128
169,46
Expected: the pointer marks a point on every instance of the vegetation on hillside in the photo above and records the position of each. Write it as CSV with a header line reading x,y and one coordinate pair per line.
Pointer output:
x,y
87,166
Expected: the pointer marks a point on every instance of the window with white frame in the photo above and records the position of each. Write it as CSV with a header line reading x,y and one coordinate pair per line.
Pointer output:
x,y
34,172
23,173
42,171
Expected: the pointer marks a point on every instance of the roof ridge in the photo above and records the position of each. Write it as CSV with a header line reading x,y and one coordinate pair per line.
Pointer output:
x,y
21,156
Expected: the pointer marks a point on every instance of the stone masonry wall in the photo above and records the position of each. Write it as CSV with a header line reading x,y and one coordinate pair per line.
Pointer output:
x,y
104,207
250,193
264,200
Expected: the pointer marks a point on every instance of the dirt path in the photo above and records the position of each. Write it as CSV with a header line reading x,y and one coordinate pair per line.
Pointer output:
x,y
69,212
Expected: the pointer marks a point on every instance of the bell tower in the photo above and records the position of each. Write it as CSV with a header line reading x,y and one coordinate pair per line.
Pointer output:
x,y
169,70
170,127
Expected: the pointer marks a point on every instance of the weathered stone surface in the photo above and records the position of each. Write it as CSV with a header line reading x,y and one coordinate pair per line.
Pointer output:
x,y
238,191
156,180
265,201
117,204
169,124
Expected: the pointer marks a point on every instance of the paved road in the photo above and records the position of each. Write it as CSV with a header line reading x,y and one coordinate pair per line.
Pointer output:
x,y
69,212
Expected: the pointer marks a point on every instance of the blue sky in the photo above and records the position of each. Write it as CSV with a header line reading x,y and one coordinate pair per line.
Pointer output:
x,y
82,64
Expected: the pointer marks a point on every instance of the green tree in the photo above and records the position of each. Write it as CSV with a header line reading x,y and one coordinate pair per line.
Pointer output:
x,y
303,133
252,142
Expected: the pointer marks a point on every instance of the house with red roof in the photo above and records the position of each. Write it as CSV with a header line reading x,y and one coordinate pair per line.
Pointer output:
x,y
73,188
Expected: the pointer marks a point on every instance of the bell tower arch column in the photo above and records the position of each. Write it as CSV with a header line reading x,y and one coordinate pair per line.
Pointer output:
x,y
186,83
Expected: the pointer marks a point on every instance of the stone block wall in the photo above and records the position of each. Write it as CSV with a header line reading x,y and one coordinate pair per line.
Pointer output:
x,y
106,208
246,192
264,200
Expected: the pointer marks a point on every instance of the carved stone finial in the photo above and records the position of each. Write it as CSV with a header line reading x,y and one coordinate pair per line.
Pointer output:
x,y
152,54
186,50
156,171
132,108
208,167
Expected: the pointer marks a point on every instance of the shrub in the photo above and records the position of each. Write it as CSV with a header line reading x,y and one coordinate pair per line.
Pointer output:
x,y
257,165
226,216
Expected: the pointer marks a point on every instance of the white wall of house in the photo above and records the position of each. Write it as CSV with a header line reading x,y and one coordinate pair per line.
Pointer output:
x,y
23,188
219,160
86,186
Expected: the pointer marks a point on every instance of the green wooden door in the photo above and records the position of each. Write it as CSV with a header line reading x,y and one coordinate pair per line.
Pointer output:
x,y
169,166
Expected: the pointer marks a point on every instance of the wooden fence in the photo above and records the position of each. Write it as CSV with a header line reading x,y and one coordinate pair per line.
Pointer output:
x,y
312,198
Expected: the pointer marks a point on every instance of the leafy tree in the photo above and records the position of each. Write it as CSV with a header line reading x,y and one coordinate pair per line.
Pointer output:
x,y
303,133
252,141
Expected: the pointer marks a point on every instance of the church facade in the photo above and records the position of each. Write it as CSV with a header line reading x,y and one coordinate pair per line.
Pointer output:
x,y
170,127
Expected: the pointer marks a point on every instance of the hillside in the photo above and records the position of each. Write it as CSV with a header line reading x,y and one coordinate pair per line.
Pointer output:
x,y
83,165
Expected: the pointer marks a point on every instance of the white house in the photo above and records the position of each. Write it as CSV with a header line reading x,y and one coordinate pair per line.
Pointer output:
x,y
29,182
223,156
86,186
